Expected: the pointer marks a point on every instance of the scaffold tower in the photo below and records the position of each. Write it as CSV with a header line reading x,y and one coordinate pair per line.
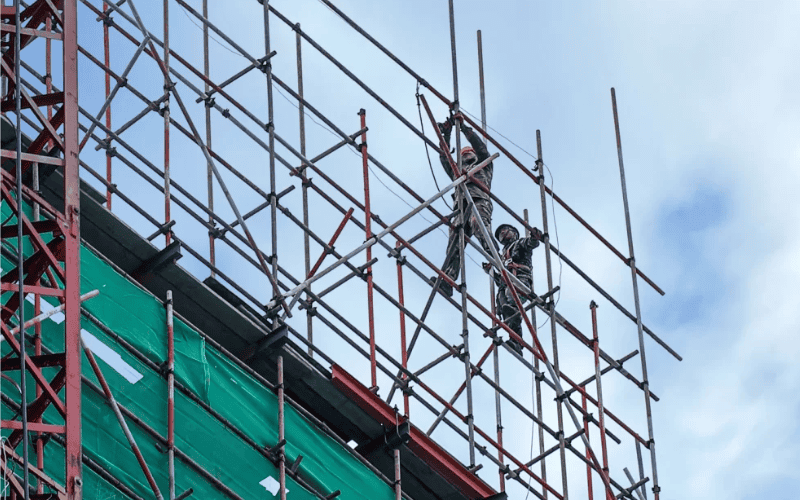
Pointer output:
x,y
307,343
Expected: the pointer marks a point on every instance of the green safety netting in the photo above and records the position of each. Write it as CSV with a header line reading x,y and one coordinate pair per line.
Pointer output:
x,y
249,406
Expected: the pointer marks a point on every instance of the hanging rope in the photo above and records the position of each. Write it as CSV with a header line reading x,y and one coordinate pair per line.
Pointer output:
x,y
427,152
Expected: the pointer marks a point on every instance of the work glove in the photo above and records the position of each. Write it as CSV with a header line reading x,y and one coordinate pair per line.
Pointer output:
x,y
446,126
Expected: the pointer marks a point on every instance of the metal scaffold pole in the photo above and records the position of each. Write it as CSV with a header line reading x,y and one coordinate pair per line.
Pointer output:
x,y
305,180
107,60
632,264
281,431
74,475
495,343
368,271
170,396
537,387
212,254
271,130
167,88
403,345
20,255
597,377
462,246
552,311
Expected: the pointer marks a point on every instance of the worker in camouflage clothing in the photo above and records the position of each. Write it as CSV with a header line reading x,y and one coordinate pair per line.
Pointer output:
x,y
516,255
471,156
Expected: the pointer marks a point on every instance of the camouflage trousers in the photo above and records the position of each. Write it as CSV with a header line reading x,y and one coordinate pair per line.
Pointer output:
x,y
452,261
507,308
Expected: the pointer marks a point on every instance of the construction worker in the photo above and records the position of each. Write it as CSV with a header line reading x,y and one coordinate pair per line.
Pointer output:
x,y
462,212
516,255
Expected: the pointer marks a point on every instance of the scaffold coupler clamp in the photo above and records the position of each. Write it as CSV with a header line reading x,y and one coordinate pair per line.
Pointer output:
x,y
274,307
277,450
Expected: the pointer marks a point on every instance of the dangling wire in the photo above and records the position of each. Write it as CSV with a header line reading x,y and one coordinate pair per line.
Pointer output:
x,y
427,153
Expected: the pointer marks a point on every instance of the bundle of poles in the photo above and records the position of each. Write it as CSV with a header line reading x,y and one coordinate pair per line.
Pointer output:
x,y
291,293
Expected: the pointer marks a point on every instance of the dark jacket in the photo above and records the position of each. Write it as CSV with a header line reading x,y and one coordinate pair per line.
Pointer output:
x,y
517,260
482,153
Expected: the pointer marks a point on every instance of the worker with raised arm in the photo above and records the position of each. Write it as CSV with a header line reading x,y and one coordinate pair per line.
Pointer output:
x,y
471,156
516,255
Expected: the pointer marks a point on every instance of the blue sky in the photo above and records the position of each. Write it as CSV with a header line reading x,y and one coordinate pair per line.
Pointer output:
x,y
709,118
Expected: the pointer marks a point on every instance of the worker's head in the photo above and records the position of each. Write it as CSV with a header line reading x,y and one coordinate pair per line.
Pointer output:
x,y
506,233
468,156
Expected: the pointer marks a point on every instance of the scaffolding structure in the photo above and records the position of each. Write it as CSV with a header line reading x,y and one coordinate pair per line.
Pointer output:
x,y
279,289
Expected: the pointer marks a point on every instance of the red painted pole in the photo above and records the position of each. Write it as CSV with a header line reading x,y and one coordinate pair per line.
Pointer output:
x,y
368,234
325,251
588,455
403,347
600,409
72,312
37,308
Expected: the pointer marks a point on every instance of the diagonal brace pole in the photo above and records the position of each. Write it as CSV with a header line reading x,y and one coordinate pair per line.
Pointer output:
x,y
121,420
280,300
121,82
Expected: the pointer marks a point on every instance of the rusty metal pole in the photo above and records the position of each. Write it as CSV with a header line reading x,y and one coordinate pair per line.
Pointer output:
x,y
398,489
641,468
403,346
121,419
72,310
482,87
281,433
597,375
462,249
107,60
497,406
304,180
538,380
552,311
36,216
167,89
632,263
496,346
368,234
589,490
271,130
212,254
170,396
20,248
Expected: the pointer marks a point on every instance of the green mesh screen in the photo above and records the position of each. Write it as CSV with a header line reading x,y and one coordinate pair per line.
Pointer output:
x,y
140,319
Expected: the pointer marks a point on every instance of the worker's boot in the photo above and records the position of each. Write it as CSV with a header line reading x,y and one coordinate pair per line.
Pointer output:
x,y
514,321
515,345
